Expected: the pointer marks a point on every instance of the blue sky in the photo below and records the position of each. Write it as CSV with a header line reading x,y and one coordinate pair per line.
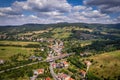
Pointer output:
x,y
6,3
75,2
18,12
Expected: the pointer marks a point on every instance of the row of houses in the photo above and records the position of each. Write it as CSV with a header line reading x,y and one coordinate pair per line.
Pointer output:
x,y
62,64
84,72
62,76
22,38
31,39
25,38
32,58
58,46
38,72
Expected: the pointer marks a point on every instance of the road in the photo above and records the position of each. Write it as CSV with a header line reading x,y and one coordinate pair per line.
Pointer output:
x,y
59,57
52,72
47,60
18,67
53,59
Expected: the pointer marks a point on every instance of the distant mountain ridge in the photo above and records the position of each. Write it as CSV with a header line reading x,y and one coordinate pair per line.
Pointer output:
x,y
35,24
33,27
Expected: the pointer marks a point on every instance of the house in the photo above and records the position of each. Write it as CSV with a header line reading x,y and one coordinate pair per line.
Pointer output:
x,y
60,65
48,78
71,79
62,76
88,63
83,73
32,58
1,61
39,58
41,39
50,40
57,65
54,65
38,71
42,49
35,58
65,64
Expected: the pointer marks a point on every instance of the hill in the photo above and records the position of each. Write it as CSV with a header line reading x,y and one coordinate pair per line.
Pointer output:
x,y
106,66
81,31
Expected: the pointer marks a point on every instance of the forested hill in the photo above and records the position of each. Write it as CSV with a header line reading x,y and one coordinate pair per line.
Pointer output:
x,y
35,27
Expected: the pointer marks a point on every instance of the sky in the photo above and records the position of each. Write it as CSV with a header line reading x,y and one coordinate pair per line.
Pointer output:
x,y
18,12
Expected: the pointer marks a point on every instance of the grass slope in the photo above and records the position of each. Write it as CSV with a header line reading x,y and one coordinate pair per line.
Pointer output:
x,y
6,52
106,66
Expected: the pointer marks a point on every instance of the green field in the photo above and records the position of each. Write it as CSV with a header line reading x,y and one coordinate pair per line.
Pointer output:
x,y
106,66
17,43
6,52
61,33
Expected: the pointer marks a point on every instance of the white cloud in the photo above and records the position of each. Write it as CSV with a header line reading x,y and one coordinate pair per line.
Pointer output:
x,y
50,11
33,16
105,6
44,5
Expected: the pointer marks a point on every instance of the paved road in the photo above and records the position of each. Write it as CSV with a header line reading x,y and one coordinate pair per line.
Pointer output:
x,y
58,57
53,59
18,67
52,72
47,60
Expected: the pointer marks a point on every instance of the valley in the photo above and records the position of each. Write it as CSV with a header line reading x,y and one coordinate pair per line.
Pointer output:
x,y
51,51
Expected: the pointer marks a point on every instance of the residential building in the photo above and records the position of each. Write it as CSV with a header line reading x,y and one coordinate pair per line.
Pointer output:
x,y
1,61
83,73
65,64
48,78
88,63
38,71
62,76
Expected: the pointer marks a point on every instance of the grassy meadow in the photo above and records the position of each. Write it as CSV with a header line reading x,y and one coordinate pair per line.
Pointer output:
x,y
106,66
22,43
8,51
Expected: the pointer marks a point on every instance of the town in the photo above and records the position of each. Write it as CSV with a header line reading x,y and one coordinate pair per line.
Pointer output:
x,y
55,53
60,53
59,39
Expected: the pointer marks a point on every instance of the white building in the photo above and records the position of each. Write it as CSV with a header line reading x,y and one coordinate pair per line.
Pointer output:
x,y
1,61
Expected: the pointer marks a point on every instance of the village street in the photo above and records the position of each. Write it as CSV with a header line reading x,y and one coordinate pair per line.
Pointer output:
x,y
52,72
